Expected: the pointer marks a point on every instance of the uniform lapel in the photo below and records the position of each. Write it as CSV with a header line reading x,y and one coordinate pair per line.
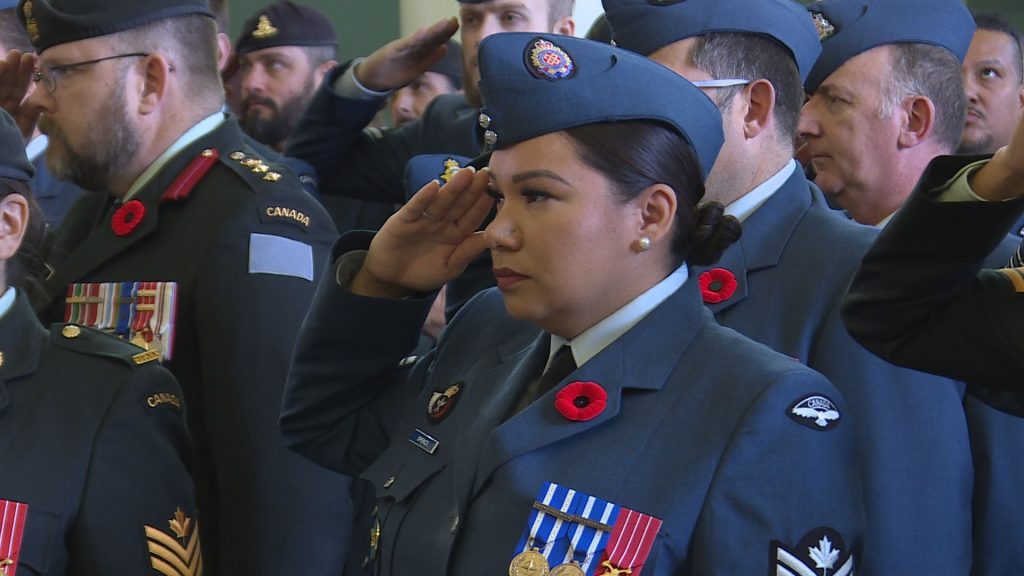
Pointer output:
x,y
635,361
21,342
496,389
102,245
765,234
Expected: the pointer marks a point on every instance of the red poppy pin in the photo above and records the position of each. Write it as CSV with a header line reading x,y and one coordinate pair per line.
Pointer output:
x,y
717,285
581,401
128,217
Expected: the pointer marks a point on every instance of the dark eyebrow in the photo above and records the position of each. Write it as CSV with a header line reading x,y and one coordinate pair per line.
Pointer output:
x,y
522,176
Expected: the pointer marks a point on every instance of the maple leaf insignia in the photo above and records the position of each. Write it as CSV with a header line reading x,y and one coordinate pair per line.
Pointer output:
x,y
824,555
181,525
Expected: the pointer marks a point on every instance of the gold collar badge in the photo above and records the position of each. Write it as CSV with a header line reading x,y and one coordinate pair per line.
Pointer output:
x,y
264,29
31,24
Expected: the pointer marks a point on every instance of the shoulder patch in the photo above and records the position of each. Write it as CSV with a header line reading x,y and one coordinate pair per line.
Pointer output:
x,y
816,412
281,213
280,256
820,552
95,343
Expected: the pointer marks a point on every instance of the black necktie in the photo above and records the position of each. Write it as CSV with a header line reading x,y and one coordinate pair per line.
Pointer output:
x,y
561,366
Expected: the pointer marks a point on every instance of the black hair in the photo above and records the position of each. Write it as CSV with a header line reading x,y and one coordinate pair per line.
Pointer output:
x,y
995,22
635,155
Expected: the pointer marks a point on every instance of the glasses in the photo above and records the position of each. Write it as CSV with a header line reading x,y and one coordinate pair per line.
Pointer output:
x,y
48,75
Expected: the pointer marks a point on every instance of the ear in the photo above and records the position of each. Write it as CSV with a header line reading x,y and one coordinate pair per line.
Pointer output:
x,y
917,122
657,206
566,26
156,78
760,100
13,222
223,50
322,70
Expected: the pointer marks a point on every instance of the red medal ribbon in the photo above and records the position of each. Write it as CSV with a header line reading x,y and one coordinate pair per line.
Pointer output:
x,y
630,544
12,527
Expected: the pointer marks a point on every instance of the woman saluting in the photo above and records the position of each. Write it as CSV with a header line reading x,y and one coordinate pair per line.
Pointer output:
x,y
587,416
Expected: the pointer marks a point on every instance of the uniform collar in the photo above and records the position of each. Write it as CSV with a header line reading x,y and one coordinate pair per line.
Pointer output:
x,y
6,301
745,205
202,128
596,338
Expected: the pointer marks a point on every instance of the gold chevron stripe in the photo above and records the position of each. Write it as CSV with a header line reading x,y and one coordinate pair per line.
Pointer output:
x,y
1016,276
170,558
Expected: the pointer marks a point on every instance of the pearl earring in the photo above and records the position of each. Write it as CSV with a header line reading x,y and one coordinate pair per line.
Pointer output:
x,y
643,244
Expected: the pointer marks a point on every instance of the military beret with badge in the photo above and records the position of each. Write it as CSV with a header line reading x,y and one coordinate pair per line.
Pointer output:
x,y
286,23
49,23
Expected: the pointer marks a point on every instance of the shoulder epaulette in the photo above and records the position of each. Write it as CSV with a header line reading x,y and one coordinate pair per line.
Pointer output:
x,y
253,167
183,185
96,343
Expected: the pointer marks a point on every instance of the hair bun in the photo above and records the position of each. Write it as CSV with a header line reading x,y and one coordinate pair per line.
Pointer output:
x,y
715,231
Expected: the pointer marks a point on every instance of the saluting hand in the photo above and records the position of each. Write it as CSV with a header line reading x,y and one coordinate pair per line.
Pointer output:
x,y
401,61
15,81
430,240
1003,177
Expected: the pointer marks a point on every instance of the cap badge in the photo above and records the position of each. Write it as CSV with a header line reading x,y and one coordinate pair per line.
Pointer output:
x,y
549,62
825,28
451,166
31,24
264,28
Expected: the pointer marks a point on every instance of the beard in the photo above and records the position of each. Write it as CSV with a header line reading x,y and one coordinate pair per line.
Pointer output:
x,y
274,130
108,146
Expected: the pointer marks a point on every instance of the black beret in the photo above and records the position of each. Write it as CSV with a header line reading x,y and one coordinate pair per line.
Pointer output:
x,y
52,22
14,162
286,23
537,84
850,27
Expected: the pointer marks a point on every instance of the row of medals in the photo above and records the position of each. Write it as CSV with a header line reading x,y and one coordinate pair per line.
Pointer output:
x,y
533,563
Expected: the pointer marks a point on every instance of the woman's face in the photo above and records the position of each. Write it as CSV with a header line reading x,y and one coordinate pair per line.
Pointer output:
x,y
563,245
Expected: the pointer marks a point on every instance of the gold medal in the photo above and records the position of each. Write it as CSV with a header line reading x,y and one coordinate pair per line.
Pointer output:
x,y
528,563
568,569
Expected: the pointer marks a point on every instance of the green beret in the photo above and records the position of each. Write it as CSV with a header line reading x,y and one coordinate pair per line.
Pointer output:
x,y
52,22
285,23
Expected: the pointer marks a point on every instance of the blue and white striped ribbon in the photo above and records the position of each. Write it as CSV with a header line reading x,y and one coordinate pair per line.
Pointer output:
x,y
586,541
546,532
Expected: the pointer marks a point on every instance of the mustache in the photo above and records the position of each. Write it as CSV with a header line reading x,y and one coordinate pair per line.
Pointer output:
x,y
977,112
251,100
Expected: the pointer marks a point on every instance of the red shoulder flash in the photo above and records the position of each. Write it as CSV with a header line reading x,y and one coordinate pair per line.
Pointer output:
x,y
183,185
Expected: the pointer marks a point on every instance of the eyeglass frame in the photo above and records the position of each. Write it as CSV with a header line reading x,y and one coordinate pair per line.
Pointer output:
x,y
40,76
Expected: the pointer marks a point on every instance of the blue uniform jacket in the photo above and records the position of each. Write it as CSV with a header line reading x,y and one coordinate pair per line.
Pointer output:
x,y
792,266
698,431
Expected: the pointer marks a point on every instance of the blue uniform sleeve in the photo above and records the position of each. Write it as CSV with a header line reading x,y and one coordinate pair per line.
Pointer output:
x,y
787,478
